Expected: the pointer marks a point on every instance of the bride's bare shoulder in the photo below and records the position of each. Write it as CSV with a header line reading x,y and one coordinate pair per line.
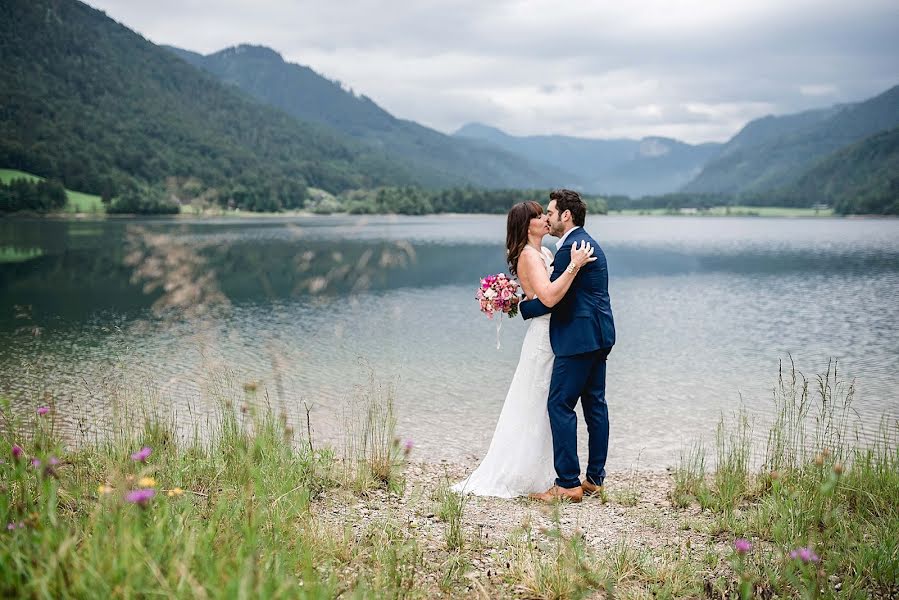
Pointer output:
x,y
529,259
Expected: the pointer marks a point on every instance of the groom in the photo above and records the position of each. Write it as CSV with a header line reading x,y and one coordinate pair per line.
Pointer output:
x,y
582,334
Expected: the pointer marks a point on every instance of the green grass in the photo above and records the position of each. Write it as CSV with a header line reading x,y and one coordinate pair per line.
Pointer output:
x,y
450,510
732,211
239,514
815,490
83,203
78,202
230,516
7,175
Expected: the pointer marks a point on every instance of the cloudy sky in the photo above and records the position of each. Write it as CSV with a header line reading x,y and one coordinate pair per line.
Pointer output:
x,y
697,70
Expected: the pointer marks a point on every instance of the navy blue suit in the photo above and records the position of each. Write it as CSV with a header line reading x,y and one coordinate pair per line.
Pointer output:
x,y
582,333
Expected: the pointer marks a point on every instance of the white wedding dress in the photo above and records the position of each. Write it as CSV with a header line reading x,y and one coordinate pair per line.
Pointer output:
x,y
520,458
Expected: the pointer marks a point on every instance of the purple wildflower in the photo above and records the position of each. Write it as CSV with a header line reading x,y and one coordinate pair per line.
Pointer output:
x,y
17,451
742,546
806,555
35,462
141,496
43,410
142,455
407,447
14,526
53,461
11,527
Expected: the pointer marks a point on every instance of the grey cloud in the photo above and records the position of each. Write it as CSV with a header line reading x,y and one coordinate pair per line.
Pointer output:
x,y
575,68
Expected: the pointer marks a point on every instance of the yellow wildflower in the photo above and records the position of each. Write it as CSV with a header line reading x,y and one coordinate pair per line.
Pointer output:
x,y
146,482
104,489
175,492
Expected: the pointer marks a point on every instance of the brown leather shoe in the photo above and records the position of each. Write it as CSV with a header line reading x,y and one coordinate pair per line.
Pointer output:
x,y
556,494
591,489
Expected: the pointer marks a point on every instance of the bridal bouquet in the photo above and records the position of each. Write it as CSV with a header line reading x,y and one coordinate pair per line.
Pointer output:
x,y
498,294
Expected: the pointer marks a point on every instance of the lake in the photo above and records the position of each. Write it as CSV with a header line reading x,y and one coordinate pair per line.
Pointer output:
x,y
307,308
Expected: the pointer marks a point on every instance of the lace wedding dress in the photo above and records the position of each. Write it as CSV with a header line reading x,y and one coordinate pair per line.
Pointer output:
x,y
520,458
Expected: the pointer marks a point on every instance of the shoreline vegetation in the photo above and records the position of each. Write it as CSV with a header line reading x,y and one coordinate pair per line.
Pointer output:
x,y
256,508
27,195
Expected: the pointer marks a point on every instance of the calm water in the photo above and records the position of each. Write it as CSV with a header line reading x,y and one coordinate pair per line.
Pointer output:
x,y
705,308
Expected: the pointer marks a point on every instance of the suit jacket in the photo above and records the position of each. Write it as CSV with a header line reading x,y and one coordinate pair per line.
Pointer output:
x,y
582,320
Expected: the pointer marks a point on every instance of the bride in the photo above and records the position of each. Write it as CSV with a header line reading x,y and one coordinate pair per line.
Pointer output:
x,y
520,458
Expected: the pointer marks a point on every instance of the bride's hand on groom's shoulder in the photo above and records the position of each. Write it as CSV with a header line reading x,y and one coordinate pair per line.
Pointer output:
x,y
582,255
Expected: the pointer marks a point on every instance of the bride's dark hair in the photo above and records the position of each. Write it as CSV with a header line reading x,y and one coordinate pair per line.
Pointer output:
x,y
517,222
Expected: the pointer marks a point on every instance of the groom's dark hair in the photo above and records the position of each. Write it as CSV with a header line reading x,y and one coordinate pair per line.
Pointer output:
x,y
570,200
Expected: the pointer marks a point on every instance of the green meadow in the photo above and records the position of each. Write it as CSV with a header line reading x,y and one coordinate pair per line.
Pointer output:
x,y
78,202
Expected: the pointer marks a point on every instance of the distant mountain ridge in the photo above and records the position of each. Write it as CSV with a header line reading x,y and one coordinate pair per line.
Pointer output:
x,y
652,165
87,101
436,158
773,152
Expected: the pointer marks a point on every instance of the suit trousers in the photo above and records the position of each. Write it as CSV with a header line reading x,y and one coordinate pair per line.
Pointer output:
x,y
582,376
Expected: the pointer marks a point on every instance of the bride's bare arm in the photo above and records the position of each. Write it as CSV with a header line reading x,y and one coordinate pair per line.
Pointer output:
x,y
532,270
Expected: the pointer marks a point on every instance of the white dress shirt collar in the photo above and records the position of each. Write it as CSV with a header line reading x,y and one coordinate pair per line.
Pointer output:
x,y
564,237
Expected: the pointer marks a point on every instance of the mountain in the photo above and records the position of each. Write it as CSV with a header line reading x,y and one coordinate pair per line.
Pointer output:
x,y
87,101
653,165
862,178
437,159
659,166
772,152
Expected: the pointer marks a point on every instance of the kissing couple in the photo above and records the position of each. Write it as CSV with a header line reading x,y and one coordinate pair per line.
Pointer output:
x,y
563,359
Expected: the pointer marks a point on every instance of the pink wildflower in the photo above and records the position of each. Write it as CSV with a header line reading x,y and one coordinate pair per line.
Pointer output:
x,y
142,455
806,555
742,546
35,462
407,447
140,497
43,410
17,451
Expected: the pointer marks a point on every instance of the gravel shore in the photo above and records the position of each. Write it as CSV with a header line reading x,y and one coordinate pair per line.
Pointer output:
x,y
637,513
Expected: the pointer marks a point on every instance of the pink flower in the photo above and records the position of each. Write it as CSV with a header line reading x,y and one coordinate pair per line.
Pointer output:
x,y
43,410
140,497
17,451
142,455
742,546
53,461
806,555
407,447
497,293
35,462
